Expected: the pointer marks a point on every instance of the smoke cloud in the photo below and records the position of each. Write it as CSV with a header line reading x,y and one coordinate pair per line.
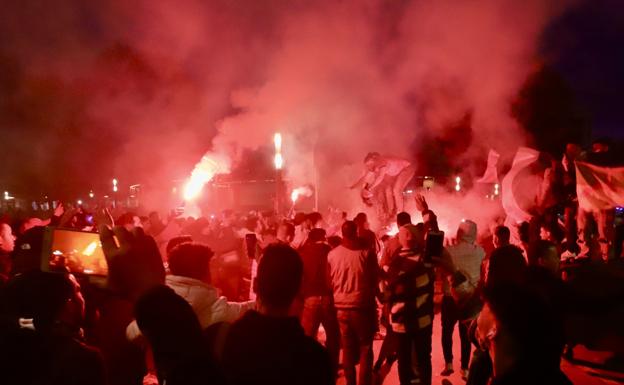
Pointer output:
x,y
149,87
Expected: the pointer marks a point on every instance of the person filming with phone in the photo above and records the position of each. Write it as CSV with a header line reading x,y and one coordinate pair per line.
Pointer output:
x,y
409,297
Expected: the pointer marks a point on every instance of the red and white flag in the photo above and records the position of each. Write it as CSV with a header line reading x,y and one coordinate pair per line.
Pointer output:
x,y
599,188
491,173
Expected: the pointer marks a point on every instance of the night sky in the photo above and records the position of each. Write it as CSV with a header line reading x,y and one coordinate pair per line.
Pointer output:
x,y
586,45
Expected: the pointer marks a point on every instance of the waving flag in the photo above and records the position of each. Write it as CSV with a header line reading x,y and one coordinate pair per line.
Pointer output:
x,y
599,188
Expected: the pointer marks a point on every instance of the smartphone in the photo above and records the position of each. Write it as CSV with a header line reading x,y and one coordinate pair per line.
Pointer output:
x,y
433,245
250,245
78,252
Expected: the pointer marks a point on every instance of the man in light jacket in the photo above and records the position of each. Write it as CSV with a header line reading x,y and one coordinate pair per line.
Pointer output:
x,y
189,264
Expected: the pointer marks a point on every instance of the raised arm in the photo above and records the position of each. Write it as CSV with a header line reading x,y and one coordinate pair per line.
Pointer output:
x,y
381,173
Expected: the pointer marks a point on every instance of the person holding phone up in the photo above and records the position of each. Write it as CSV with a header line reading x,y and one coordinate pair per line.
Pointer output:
x,y
409,296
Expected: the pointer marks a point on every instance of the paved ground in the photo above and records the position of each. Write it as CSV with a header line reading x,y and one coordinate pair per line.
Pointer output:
x,y
585,374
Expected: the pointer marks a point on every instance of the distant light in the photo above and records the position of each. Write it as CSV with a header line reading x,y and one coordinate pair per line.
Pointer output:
x,y
114,182
91,194
496,189
79,202
457,183
114,188
457,179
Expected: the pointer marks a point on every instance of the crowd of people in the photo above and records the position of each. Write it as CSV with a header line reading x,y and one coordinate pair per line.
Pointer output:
x,y
241,299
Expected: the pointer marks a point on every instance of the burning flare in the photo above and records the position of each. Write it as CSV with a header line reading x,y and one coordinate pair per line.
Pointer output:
x,y
205,170
299,191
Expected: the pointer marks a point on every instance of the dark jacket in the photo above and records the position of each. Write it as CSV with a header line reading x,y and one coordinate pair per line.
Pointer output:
x,y
316,279
269,350
30,358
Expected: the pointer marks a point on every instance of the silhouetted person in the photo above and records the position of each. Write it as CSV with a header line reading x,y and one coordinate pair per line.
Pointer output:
x,y
268,346
501,236
523,336
505,266
544,253
175,336
43,343
367,237
392,245
316,291
7,244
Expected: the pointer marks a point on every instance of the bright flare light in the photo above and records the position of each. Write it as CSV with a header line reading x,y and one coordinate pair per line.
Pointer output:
x,y
203,173
393,230
299,191
457,183
277,140
278,161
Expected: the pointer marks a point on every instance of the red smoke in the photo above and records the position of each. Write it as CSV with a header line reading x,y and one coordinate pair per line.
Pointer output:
x,y
168,81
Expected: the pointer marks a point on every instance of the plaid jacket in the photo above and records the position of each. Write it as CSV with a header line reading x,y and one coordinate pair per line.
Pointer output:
x,y
409,293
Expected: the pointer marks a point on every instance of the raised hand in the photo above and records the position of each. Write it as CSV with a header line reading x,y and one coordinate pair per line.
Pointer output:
x,y
59,210
134,262
421,203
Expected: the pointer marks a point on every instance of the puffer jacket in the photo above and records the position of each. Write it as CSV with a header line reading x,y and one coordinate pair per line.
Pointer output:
x,y
208,306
